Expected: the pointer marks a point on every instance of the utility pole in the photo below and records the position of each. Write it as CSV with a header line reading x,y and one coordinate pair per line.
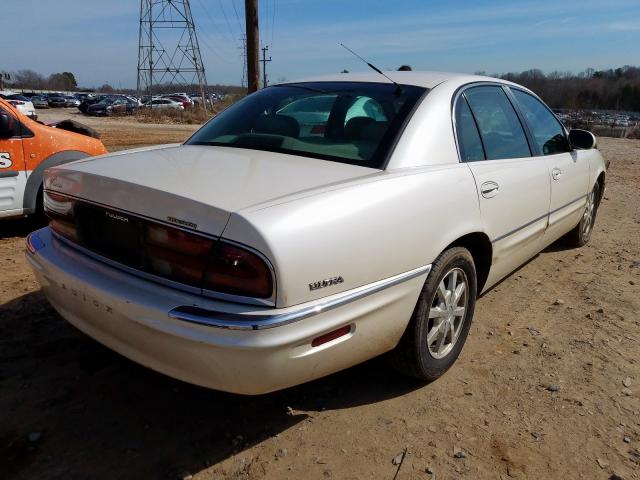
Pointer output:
x,y
264,65
253,45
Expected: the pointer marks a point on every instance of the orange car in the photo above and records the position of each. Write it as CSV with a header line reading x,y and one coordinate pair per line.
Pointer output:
x,y
27,149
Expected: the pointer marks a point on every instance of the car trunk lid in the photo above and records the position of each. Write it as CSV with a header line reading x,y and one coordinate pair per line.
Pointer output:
x,y
196,187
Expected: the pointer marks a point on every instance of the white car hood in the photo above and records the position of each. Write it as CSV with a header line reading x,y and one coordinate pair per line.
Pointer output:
x,y
201,185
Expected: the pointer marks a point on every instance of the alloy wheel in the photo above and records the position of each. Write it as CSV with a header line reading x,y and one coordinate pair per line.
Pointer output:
x,y
447,313
589,213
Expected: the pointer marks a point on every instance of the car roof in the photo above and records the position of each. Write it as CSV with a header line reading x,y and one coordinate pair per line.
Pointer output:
x,y
424,79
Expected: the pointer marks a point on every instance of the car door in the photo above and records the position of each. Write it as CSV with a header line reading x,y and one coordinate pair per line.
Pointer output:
x,y
569,173
513,186
13,177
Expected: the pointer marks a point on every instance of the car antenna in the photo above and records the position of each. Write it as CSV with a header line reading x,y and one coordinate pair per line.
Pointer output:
x,y
373,67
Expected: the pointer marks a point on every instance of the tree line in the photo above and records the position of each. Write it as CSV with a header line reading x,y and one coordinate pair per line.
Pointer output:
x,y
66,81
612,89
28,79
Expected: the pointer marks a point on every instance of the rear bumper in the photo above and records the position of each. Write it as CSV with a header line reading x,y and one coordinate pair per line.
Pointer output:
x,y
218,344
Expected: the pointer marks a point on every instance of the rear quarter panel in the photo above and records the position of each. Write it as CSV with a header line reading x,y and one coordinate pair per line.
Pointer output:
x,y
367,231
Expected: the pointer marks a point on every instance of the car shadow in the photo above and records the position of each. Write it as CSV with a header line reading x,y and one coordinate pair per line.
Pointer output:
x,y
74,409
19,227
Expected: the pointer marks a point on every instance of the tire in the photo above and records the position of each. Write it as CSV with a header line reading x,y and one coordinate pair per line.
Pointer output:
x,y
418,354
581,234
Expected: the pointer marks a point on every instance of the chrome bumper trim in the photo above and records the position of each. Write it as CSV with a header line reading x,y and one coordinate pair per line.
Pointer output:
x,y
271,318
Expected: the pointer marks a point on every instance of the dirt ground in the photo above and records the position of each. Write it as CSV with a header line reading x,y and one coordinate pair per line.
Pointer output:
x,y
121,132
547,386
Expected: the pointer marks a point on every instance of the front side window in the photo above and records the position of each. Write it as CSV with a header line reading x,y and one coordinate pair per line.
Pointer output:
x,y
469,142
347,122
500,128
548,134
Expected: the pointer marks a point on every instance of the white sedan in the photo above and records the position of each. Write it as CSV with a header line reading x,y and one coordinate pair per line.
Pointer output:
x,y
259,255
163,104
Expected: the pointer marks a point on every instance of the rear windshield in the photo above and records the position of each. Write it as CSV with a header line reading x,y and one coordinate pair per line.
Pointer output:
x,y
348,122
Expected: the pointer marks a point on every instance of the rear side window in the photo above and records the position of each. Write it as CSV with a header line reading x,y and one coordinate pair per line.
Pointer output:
x,y
500,128
469,142
548,134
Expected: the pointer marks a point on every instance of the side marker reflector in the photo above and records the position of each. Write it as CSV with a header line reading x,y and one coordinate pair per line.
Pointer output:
x,y
34,243
327,337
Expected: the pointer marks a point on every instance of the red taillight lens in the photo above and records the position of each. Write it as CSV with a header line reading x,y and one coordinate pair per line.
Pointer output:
x,y
60,211
165,251
201,262
237,271
175,254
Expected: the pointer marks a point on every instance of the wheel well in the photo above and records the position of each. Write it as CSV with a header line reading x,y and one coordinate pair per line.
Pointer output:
x,y
481,250
601,185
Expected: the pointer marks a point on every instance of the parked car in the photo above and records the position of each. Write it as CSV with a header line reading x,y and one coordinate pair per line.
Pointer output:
x,y
57,101
82,96
164,103
39,101
184,100
110,106
27,149
84,105
72,101
22,103
254,257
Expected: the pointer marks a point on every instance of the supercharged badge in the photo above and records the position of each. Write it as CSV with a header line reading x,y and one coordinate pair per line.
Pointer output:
x,y
184,223
325,283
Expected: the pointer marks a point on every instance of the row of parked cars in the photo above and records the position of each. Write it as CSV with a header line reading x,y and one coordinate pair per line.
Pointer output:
x,y
102,104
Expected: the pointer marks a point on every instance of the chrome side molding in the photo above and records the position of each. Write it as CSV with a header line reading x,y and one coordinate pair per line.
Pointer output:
x,y
273,318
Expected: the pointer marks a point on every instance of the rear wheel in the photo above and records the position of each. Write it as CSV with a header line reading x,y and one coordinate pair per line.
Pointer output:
x,y
581,234
442,317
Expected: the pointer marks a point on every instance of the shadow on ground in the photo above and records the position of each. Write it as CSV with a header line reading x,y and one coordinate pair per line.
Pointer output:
x,y
121,420
19,227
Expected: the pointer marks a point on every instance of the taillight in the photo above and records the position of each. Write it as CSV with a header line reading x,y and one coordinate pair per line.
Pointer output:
x,y
209,264
60,211
162,250
175,254
237,271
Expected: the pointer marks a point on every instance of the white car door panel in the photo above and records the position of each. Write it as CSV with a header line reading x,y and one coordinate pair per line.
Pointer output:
x,y
12,170
569,174
569,187
513,187
515,216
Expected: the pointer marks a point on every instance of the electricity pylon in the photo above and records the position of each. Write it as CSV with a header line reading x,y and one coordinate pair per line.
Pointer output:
x,y
168,49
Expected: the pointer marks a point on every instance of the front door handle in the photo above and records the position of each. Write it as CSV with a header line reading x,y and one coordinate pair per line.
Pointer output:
x,y
489,189
556,173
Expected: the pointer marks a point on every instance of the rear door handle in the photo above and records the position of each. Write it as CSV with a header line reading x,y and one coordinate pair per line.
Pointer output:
x,y
489,189
556,173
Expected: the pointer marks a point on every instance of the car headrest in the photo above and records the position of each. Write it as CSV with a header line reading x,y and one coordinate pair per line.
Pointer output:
x,y
277,125
355,127
374,132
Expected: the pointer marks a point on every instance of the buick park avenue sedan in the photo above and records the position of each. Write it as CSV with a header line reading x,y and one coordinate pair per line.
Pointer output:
x,y
315,225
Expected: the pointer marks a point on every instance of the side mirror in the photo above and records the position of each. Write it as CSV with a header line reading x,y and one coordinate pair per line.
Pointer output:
x,y
6,126
582,139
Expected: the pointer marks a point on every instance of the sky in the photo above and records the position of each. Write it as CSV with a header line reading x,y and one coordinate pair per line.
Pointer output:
x,y
97,40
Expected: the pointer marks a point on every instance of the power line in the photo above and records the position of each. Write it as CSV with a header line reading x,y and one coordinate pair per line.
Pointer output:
x,y
237,17
226,19
214,23
273,19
